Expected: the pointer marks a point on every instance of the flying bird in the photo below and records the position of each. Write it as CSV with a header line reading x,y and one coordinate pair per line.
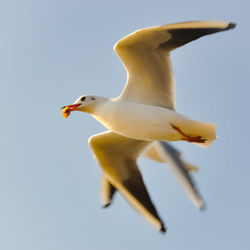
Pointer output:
x,y
143,118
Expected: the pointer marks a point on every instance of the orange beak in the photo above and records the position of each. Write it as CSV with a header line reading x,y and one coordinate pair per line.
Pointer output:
x,y
66,110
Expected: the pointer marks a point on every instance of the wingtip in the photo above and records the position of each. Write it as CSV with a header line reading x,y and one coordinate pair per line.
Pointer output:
x,y
163,229
106,205
203,207
231,26
200,204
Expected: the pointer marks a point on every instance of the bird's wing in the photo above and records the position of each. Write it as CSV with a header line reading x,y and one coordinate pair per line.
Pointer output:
x,y
107,191
145,55
117,156
180,168
163,152
153,154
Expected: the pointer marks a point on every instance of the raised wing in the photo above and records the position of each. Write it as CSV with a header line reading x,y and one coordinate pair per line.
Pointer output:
x,y
145,55
117,156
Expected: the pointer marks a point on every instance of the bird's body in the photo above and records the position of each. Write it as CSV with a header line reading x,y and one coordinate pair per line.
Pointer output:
x,y
144,116
147,122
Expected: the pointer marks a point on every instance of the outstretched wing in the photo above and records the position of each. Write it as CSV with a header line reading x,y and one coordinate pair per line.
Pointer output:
x,y
117,156
181,169
145,55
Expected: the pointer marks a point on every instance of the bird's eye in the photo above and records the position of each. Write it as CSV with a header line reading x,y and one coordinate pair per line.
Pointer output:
x,y
83,98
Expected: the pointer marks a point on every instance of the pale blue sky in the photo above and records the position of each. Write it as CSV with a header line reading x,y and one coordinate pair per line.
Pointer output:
x,y
51,52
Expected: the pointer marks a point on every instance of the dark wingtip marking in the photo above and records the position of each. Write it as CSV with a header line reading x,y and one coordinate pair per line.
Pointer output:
x,y
106,205
180,37
203,207
231,26
163,229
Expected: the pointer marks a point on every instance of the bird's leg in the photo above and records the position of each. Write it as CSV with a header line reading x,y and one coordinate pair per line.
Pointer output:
x,y
188,138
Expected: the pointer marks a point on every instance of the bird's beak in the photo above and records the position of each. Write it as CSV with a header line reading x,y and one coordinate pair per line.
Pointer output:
x,y
67,109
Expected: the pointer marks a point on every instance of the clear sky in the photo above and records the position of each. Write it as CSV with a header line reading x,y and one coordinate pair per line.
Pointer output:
x,y
52,52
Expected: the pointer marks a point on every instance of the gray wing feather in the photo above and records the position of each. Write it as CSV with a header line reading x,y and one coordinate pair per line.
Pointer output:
x,y
176,164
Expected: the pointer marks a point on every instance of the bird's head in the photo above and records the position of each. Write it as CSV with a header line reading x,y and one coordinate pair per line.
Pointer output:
x,y
83,103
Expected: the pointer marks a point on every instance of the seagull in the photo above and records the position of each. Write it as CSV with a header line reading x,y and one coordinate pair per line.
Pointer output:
x,y
143,118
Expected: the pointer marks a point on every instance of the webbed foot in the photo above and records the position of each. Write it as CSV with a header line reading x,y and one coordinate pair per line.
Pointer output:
x,y
197,139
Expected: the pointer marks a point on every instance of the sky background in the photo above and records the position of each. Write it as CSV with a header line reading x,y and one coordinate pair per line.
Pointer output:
x,y
52,52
